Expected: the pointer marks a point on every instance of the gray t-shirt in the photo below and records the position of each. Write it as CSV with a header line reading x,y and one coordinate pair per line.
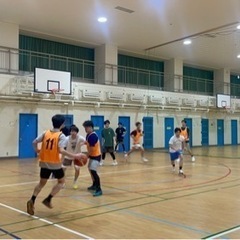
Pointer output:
x,y
61,144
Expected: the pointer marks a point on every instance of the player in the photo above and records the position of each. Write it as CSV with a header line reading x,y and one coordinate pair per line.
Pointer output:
x,y
94,154
120,133
136,136
185,132
176,145
108,142
73,145
53,142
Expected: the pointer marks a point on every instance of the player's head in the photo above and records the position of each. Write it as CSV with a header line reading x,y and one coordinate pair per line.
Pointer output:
x,y
184,123
74,130
120,124
58,121
138,125
106,123
88,125
177,131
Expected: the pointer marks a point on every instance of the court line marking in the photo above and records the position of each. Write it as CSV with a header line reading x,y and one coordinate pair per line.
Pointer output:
x,y
157,195
105,173
222,233
48,222
9,234
92,215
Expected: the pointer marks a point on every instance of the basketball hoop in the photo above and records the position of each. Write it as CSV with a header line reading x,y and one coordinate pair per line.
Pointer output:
x,y
56,93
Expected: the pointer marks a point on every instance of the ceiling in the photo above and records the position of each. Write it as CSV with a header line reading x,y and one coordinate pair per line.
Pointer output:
x,y
153,22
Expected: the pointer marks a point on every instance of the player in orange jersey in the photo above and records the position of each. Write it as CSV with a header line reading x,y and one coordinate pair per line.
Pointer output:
x,y
53,143
185,132
136,136
94,154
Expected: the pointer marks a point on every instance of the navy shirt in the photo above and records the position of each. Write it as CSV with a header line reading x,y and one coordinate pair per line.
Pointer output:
x,y
120,132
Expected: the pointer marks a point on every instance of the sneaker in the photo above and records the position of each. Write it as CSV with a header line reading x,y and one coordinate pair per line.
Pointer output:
x,y
193,159
91,188
30,207
97,193
101,163
47,203
125,152
75,185
126,155
180,171
144,159
115,163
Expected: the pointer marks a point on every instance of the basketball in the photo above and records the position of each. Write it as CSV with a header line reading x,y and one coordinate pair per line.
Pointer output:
x,y
81,161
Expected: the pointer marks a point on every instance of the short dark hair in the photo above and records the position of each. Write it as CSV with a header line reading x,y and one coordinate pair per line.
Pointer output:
x,y
107,121
74,128
177,129
88,123
58,120
184,121
120,123
137,123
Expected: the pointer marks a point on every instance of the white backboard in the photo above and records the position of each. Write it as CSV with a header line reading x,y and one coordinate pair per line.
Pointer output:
x,y
223,101
46,80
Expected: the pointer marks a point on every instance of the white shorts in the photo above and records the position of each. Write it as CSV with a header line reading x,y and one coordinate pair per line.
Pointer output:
x,y
137,146
93,164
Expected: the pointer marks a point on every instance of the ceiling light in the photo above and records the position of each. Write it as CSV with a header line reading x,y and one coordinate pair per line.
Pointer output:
x,y
238,56
187,41
238,26
102,19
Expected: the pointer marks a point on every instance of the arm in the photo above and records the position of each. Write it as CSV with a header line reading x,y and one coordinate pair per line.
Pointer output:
x,y
36,141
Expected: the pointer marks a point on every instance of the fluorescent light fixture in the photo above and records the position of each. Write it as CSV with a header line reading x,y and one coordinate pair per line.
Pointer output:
x,y
238,26
102,19
187,41
238,56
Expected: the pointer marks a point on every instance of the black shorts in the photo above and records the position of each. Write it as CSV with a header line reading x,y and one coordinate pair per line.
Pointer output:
x,y
57,173
107,149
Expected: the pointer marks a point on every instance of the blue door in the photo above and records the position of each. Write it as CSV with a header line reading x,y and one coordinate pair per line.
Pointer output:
x,y
169,130
234,129
126,124
28,125
205,132
98,122
148,132
220,132
189,125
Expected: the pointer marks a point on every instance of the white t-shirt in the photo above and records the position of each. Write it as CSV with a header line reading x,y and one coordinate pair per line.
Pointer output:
x,y
74,145
176,143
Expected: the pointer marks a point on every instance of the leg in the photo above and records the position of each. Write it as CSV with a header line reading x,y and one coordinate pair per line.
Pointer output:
x,y
116,146
123,146
59,174
93,166
93,186
188,148
113,157
77,173
142,154
44,175
180,164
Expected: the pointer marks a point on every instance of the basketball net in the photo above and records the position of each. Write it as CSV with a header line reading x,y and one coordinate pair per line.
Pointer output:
x,y
56,93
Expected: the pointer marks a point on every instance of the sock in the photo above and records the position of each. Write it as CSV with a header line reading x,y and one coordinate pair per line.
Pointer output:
x,y
33,198
173,165
96,180
49,198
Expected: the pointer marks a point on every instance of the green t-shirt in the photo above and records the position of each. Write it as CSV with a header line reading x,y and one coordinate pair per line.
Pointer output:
x,y
108,135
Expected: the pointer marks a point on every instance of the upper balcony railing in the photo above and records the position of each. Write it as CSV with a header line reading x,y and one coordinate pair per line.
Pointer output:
x,y
18,61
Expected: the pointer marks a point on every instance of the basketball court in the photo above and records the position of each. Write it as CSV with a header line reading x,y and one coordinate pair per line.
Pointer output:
x,y
161,204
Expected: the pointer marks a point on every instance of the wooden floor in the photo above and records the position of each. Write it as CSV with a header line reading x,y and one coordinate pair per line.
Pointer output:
x,y
141,200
